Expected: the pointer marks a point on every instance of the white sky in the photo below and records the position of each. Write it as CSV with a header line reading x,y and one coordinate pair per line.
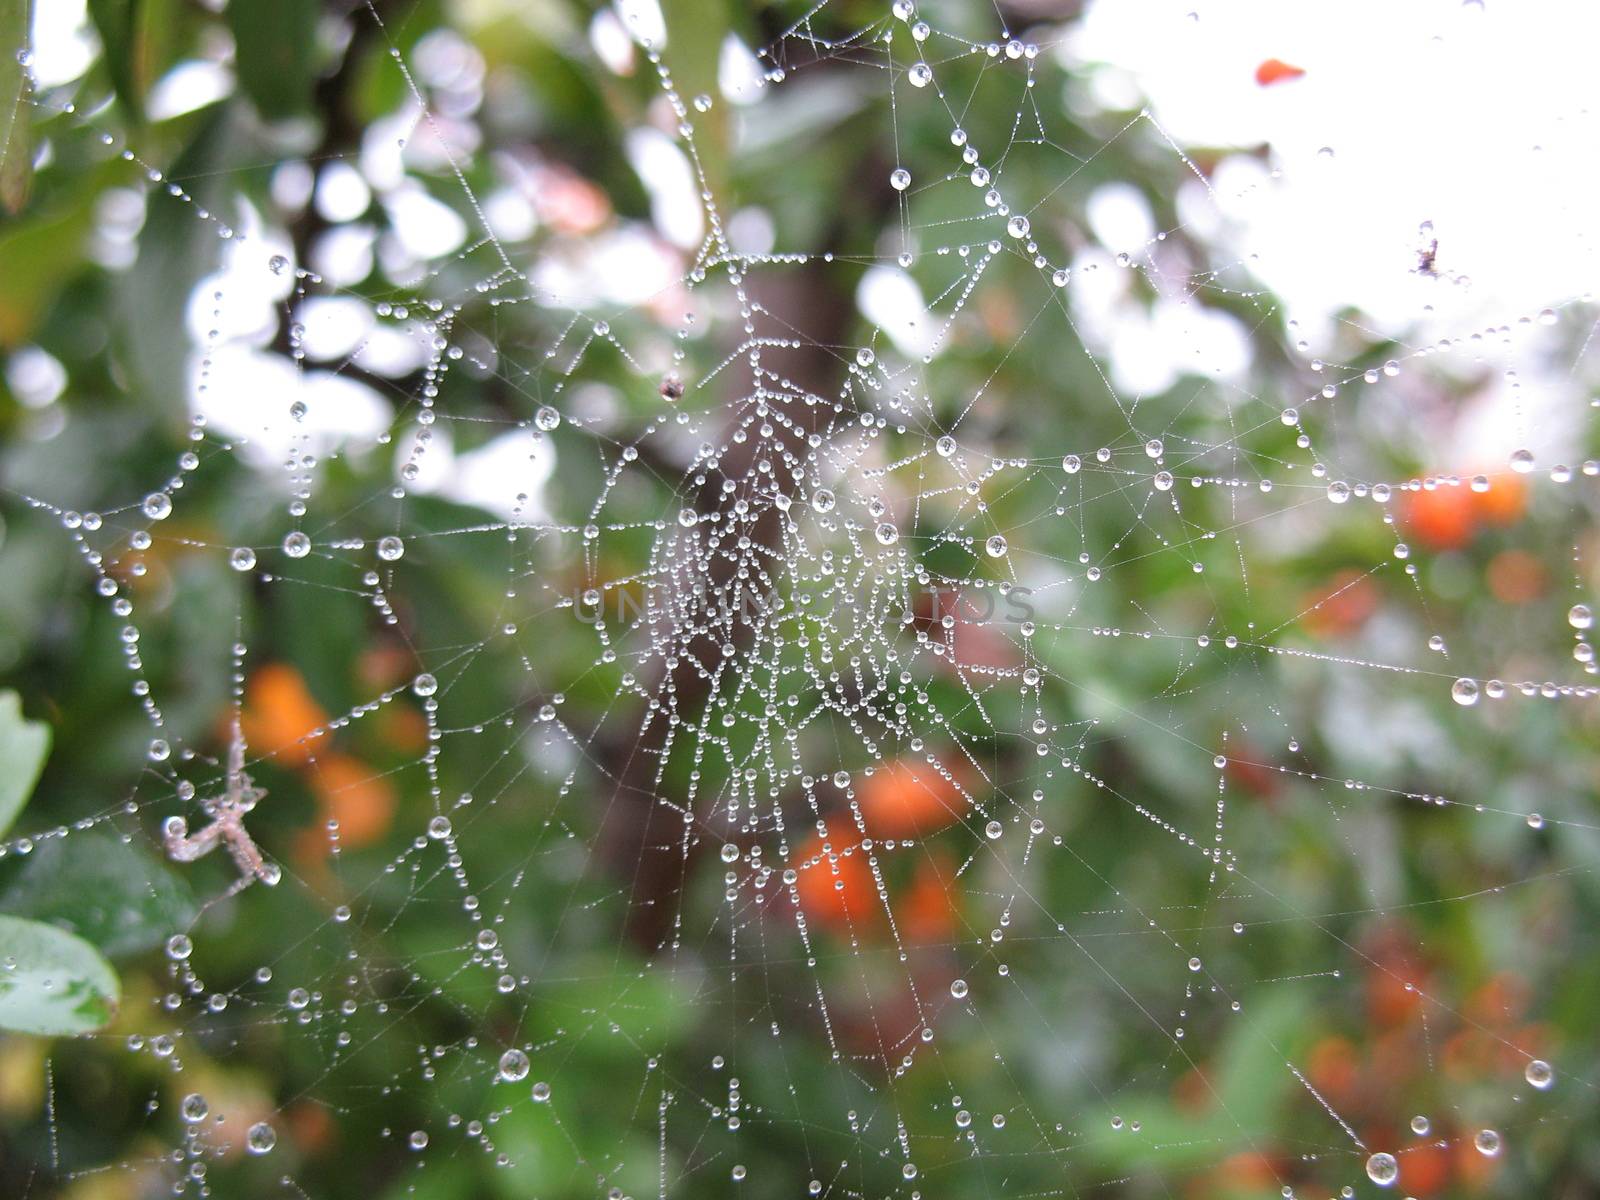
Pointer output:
x,y
1478,117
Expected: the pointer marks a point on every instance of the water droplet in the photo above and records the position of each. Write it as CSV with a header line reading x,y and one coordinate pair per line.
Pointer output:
x,y
242,558
277,263
995,547
547,418
194,1108
424,685
541,1092
958,989
1383,1170
993,830
1539,1074
1522,461
390,548
1487,1142
1071,464
899,179
157,506
418,1140
1464,692
920,74
513,1066
260,1138
1580,616
297,545
822,500
886,533
1017,226
179,947
945,446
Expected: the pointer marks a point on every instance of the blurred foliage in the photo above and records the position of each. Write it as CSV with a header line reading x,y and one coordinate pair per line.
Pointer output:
x,y
1349,890
51,980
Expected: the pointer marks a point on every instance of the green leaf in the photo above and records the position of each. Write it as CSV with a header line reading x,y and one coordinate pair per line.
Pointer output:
x,y
16,106
695,33
38,255
274,46
98,887
116,22
175,251
24,745
51,982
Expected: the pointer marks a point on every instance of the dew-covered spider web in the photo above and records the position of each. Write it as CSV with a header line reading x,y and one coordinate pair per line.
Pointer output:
x,y
1004,707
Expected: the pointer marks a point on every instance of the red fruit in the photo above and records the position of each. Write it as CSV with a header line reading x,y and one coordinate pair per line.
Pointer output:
x,y
835,886
1340,606
1441,518
926,913
1449,517
1275,70
280,714
908,798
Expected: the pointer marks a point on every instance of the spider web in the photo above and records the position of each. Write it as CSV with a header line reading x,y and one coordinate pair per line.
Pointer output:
x,y
885,841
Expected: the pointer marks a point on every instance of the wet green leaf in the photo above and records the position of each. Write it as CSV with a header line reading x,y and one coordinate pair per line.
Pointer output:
x,y
24,745
16,148
114,895
276,44
51,982
174,254
38,254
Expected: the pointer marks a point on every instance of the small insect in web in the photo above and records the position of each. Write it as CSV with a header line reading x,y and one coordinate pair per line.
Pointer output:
x,y
672,387
227,814
1427,250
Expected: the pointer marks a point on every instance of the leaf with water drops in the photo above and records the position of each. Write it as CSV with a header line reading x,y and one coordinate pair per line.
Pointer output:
x,y
24,746
16,144
113,894
51,982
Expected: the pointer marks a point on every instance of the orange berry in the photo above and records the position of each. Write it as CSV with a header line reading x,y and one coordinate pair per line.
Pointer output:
x,y
1516,577
1275,70
1442,519
909,799
1340,606
280,714
835,886
347,792
927,910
